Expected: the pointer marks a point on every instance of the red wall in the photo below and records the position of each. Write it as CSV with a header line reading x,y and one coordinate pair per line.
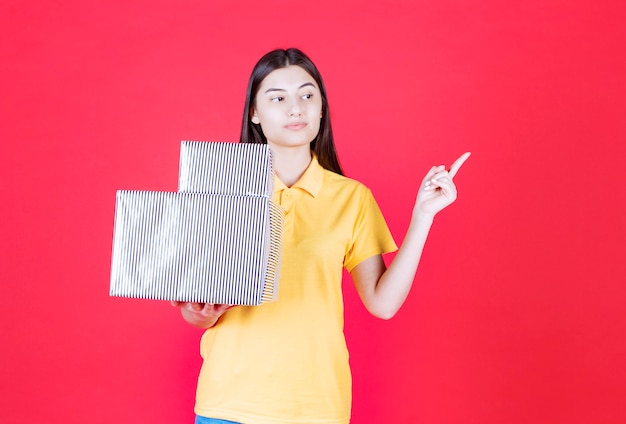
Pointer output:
x,y
517,311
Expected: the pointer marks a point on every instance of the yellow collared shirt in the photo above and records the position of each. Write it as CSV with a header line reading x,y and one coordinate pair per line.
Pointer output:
x,y
287,361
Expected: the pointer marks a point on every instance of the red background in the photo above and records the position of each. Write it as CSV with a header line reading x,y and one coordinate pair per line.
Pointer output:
x,y
517,311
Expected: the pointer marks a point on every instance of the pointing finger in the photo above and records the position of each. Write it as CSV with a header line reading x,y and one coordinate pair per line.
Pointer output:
x,y
457,164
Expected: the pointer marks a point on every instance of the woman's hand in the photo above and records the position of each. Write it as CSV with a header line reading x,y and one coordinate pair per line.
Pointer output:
x,y
438,190
201,315
384,290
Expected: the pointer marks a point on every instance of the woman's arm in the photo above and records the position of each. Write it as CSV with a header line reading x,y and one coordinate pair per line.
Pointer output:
x,y
201,315
384,290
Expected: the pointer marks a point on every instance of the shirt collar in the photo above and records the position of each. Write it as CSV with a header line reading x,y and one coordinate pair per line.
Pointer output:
x,y
310,181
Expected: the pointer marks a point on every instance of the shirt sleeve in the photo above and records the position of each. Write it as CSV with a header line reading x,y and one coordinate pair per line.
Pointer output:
x,y
371,235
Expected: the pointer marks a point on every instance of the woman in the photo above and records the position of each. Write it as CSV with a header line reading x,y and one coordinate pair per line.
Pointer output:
x,y
287,362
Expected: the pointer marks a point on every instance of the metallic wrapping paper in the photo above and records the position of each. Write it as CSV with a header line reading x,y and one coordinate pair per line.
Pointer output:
x,y
225,168
197,245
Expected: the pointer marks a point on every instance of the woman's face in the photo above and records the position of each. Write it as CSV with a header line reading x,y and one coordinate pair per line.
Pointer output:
x,y
288,107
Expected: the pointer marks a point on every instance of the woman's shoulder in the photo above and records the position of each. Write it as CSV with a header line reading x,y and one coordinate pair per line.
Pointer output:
x,y
336,181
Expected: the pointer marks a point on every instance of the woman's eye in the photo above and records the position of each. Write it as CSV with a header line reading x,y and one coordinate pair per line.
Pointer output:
x,y
307,96
277,99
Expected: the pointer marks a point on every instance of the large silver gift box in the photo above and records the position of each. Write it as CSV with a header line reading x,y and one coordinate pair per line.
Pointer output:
x,y
217,240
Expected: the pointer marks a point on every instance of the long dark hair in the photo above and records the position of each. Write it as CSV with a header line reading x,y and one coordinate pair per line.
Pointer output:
x,y
323,145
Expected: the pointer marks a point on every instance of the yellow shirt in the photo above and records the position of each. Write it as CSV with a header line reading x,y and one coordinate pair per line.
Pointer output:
x,y
287,361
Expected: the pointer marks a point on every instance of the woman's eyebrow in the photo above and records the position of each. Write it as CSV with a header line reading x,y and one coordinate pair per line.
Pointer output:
x,y
306,84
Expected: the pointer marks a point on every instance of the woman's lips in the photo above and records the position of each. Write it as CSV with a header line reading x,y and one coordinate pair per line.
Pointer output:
x,y
295,125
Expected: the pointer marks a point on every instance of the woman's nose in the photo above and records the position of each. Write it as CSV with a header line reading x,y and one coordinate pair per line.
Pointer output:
x,y
295,109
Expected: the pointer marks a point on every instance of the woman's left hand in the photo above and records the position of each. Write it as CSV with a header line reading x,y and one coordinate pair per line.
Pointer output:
x,y
438,190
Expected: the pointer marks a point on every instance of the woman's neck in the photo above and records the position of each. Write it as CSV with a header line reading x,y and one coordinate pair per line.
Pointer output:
x,y
290,163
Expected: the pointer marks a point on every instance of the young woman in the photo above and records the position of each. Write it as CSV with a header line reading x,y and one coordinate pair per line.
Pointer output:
x,y
287,362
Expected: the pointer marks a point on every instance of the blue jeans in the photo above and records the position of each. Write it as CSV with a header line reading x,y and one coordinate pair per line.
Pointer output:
x,y
204,420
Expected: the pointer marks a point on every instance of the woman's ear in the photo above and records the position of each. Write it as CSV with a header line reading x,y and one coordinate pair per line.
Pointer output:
x,y
254,118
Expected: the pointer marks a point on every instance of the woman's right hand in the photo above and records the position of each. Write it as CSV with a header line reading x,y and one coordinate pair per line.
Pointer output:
x,y
201,315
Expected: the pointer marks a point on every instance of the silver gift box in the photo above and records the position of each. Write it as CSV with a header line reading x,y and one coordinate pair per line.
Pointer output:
x,y
225,168
217,240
